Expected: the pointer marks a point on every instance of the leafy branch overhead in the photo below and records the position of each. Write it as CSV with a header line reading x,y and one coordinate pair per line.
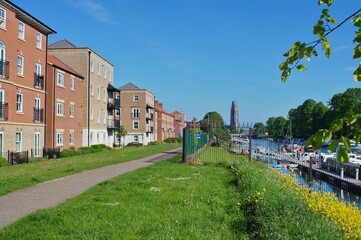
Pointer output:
x,y
301,50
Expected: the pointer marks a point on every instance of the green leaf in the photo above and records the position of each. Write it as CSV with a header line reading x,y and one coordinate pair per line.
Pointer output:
x,y
357,74
357,135
336,125
327,47
342,155
357,51
346,142
327,136
357,20
325,2
332,20
333,145
301,68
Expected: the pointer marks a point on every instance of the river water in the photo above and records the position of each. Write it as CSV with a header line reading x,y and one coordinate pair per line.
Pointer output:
x,y
303,178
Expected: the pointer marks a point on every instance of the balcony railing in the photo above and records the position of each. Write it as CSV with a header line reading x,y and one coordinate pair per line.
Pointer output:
x,y
4,69
150,116
4,110
38,81
135,115
113,124
113,103
150,129
38,115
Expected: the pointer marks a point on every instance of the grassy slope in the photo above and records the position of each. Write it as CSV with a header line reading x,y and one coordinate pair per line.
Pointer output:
x,y
167,200
25,175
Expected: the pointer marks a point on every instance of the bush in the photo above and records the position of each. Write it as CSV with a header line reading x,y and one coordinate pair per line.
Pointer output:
x,y
84,150
3,162
155,143
173,140
134,144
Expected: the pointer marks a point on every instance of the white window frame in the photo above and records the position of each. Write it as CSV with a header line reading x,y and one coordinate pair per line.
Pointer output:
x,y
135,98
18,141
71,138
91,89
136,138
2,18
19,102
91,65
105,117
20,65
98,116
72,83
134,125
60,79
105,73
135,112
91,114
21,30
72,110
60,139
104,95
98,93
99,69
39,40
60,109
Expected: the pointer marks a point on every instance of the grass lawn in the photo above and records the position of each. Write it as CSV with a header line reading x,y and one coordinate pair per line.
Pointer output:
x,y
25,175
167,200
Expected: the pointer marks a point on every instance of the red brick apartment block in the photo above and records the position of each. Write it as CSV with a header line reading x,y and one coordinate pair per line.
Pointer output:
x,y
23,47
165,123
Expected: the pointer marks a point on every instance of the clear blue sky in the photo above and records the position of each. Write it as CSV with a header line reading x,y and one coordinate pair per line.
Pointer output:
x,y
198,56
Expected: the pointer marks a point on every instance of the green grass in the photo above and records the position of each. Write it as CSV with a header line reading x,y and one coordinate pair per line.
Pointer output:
x,y
25,175
168,200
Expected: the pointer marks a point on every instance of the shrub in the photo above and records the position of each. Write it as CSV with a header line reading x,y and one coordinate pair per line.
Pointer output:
x,y
173,140
134,144
3,162
155,143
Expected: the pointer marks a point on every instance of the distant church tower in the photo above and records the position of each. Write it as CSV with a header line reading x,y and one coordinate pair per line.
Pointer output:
x,y
234,125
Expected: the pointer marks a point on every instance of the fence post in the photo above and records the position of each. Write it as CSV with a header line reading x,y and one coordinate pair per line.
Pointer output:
x,y
357,172
185,139
250,145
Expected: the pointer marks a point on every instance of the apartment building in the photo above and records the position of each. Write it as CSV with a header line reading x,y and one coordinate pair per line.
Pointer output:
x,y
137,114
165,123
180,120
98,75
64,107
23,58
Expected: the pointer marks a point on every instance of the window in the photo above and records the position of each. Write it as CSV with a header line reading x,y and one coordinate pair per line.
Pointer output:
x,y
72,83
60,109
135,125
19,102
135,112
92,66
104,95
91,89
59,139
98,69
136,138
91,114
18,141
21,31
72,109
71,138
98,116
98,137
105,73
2,18
135,98
39,40
91,137
60,79
105,118
98,93
20,65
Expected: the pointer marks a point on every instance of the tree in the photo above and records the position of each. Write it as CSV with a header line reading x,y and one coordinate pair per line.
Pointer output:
x,y
259,129
277,127
300,51
213,123
121,132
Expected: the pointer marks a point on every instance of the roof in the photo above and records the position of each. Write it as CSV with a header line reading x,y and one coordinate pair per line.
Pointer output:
x,y
27,18
112,88
129,86
62,44
177,113
59,64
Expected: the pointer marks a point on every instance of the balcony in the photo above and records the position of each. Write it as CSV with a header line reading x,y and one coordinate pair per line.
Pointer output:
x,y
38,115
38,81
150,116
4,111
113,103
4,69
113,124
150,129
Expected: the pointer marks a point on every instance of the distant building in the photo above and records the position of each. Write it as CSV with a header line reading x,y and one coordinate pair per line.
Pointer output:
x,y
234,120
137,114
165,123
179,123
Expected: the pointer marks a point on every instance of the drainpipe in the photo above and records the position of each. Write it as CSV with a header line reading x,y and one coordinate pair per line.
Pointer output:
x,y
88,108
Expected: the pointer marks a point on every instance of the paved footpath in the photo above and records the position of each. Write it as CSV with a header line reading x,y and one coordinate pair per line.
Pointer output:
x,y
18,204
